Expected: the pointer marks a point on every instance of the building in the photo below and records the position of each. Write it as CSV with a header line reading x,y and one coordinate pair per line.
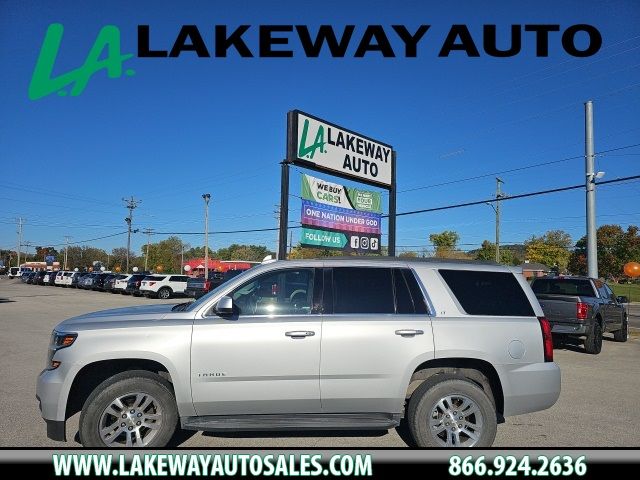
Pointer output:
x,y
196,266
533,269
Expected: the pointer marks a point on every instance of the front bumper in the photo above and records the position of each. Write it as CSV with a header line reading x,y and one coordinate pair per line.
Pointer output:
x,y
51,395
529,388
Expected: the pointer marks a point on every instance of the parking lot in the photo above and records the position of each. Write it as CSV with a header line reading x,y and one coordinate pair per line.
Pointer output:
x,y
596,408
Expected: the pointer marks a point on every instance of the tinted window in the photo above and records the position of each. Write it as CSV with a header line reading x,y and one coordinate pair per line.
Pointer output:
x,y
488,293
404,302
283,292
178,278
362,290
416,293
563,286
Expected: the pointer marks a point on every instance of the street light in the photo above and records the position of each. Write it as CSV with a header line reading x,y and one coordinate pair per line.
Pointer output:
x,y
206,197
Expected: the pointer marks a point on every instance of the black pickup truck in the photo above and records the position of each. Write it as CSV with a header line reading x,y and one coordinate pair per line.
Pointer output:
x,y
198,286
582,307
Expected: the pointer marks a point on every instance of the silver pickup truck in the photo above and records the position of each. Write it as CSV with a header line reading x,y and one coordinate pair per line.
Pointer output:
x,y
582,307
329,344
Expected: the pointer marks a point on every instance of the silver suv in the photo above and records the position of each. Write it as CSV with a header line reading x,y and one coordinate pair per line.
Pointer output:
x,y
337,344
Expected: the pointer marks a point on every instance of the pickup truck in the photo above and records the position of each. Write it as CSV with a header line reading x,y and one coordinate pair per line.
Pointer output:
x,y
582,307
453,347
197,286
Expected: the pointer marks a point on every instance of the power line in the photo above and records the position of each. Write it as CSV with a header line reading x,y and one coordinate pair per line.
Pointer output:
x,y
514,197
517,169
81,241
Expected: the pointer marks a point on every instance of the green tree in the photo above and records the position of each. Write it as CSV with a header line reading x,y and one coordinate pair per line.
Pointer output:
x,y
445,243
165,253
249,253
615,248
488,252
551,249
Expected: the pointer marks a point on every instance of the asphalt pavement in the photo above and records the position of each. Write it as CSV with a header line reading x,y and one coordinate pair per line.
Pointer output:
x,y
597,407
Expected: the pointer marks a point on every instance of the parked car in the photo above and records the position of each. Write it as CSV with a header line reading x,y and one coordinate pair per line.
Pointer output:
x,y
163,286
77,278
88,281
459,344
582,307
110,281
198,286
98,281
120,284
18,271
133,284
38,278
27,277
50,278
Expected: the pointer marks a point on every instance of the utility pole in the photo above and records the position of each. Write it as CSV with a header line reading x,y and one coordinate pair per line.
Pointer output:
x,y
206,197
277,216
131,204
147,232
181,256
499,196
66,250
592,246
19,232
290,242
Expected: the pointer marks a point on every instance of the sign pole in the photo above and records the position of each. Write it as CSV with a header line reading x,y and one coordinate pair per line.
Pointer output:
x,y
284,210
392,208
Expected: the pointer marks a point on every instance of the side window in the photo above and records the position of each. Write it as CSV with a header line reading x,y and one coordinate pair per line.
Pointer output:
x,y
602,290
488,293
610,294
404,302
416,293
362,290
282,292
178,278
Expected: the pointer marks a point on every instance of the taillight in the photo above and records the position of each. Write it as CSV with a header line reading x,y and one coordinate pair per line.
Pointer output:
x,y
547,339
582,310
151,284
138,283
207,285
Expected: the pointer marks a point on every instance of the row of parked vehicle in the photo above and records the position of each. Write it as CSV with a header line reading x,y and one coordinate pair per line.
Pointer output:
x,y
162,286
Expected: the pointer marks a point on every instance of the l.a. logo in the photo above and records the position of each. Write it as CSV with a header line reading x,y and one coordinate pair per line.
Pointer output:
x,y
318,143
42,84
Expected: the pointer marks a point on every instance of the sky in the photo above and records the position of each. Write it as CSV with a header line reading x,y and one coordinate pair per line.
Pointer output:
x,y
181,127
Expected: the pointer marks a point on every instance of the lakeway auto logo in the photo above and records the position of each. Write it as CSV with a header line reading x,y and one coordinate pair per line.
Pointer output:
x,y
279,41
43,84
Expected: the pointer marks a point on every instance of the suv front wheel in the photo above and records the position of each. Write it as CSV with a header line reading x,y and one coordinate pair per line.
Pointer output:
x,y
132,409
451,412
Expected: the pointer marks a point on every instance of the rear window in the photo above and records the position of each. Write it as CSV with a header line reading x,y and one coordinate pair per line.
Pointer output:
x,y
488,293
563,286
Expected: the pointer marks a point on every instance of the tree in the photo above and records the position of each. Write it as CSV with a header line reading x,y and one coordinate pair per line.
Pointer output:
x,y
249,253
615,248
196,252
165,253
445,243
551,249
300,252
488,252
408,254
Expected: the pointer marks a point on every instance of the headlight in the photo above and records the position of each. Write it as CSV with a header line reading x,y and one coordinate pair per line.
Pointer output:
x,y
58,341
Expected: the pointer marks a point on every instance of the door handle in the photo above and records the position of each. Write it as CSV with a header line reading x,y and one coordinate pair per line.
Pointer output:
x,y
300,334
409,333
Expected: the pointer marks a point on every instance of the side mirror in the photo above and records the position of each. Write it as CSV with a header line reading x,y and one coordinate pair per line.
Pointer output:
x,y
224,307
622,299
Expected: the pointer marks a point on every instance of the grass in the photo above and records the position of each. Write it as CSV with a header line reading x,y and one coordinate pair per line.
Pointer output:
x,y
632,291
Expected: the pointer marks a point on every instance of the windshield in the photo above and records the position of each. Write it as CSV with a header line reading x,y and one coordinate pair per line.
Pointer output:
x,y
205,298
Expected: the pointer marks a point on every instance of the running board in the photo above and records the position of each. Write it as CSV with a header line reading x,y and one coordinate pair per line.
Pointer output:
x,y
298,421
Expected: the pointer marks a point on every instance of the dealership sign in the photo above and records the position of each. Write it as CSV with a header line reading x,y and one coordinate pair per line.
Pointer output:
x,y
336,216
324,146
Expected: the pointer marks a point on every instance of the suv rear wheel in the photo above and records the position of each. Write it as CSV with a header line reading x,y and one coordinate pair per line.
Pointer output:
x,y
449,411
164,293
132,409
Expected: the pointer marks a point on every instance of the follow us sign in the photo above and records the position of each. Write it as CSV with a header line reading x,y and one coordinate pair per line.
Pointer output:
x,y
346,241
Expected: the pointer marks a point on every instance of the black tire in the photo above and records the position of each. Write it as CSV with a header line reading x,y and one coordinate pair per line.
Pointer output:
x,y
622,335
425,399
593,343
120,385
164,293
